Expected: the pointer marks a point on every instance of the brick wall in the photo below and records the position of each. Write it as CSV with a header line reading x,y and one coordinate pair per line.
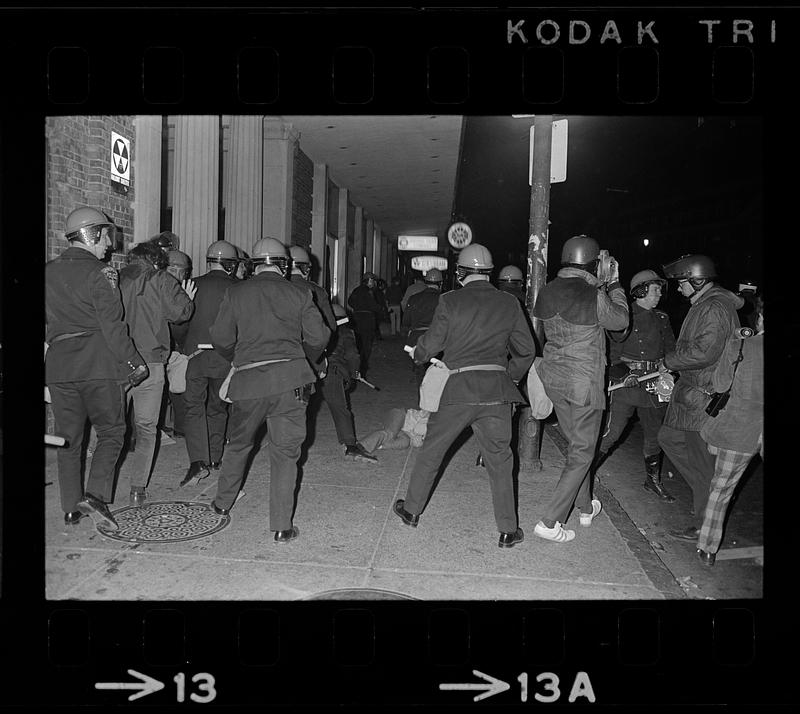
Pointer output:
x,y
79,174
302,198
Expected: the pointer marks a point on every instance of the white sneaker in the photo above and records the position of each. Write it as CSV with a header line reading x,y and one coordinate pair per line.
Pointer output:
x,y
586,518
557,533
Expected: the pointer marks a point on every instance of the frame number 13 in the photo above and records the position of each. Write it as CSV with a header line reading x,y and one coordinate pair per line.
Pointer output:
x,y
205,684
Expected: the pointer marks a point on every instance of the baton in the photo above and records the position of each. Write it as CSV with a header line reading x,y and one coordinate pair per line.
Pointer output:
x,y
371,386
643,378
54,440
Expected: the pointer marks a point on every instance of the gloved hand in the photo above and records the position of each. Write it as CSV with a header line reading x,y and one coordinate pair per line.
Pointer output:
x,y
631,381
138,375
189,288
613,270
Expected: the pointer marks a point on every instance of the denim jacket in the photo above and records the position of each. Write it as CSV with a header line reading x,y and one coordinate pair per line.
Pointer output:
x,y
575,311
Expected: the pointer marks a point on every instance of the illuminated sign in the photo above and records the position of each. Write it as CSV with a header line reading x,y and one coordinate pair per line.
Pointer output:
x,y
417,243
425,262
558,153
459,235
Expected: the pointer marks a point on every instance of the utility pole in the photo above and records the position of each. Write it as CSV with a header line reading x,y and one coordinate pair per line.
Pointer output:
x,y
529,428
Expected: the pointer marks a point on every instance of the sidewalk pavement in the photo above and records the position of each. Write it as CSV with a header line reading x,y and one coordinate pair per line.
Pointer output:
x,y
351,545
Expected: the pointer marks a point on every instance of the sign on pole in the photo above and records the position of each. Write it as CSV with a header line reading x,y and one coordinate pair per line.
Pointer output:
x,y
417,243
120,159
558,153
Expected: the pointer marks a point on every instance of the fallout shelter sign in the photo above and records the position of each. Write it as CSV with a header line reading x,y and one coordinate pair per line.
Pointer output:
x,y
120,159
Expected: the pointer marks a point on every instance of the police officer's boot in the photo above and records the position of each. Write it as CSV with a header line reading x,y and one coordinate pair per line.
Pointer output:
x,y
652,481
197,471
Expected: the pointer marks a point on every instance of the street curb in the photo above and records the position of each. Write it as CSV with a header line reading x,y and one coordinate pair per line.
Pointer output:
x,y
654,568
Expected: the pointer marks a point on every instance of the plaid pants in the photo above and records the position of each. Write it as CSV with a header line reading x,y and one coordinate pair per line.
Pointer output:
x,y
728,469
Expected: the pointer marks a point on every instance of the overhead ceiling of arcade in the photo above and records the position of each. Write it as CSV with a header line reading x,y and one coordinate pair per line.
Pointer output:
x,y
401,169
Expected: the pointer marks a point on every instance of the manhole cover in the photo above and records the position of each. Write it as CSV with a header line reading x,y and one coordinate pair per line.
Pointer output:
x,y
165,522
360,594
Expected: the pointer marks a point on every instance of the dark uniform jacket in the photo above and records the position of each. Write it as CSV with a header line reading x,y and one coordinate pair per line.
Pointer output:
x,y
709,323
419,313
81,295
517,291
152,298
343,354
322,301
265,318
211,288
576,310
479,325
649,339
363,300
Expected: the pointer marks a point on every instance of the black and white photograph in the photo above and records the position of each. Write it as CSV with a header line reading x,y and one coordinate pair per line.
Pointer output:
x,y
438,357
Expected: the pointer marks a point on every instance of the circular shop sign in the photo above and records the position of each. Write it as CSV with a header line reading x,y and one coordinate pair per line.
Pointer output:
x,y
459,235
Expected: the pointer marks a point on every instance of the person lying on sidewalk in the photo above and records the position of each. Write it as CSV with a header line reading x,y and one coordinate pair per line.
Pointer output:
x,y
401,429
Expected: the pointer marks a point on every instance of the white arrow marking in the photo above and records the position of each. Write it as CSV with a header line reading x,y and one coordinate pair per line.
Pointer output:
x,y
494,686
148,685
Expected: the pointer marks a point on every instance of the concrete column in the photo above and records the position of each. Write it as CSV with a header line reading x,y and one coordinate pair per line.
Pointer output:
x,y
384,256
195,186
344,251
243,183
279,145
147,177
369,243
377,255
354,258
319,216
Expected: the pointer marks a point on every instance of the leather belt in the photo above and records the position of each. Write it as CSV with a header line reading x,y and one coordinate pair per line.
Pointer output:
x,y
69,335
644,366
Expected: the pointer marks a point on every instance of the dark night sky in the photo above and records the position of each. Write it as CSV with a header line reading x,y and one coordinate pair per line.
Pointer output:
x,y
646,159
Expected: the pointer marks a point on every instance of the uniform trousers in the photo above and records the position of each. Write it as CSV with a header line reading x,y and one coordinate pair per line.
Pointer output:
x,y
335,397
205,417
581,427
728,469
395,315
286,431
491,424
146,399
623,405
102,401
364,328
689,453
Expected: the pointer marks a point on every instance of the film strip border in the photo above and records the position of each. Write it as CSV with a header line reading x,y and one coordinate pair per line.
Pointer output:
x,y
620,59
399,654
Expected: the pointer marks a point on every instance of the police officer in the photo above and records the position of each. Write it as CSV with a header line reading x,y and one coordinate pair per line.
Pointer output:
x,y
633,353
260,329
574,309
89,357
206,414
366,315
166,241
343,361
419,313
509,280
477,328
301,271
